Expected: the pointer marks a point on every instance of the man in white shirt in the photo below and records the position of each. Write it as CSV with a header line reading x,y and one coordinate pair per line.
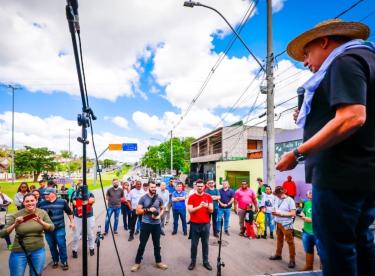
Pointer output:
x,y
133,199
284,212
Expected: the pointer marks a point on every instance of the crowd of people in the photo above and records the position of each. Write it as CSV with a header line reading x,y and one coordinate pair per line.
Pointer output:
x,y
261,214
41,215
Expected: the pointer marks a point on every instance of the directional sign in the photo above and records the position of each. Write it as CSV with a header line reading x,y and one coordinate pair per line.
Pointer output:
x,y
112,147
129,147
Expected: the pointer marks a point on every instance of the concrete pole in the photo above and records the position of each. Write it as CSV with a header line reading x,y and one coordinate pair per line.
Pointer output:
x,y
270,102
13,154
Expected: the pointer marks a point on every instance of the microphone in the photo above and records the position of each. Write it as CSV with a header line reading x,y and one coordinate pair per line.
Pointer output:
x,y
301,95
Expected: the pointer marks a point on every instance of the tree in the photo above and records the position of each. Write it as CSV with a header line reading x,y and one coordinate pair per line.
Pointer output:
x,y
108,162
34,160
65,154
159,157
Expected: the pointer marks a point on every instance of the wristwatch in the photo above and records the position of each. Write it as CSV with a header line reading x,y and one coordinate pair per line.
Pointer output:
x,y
299,156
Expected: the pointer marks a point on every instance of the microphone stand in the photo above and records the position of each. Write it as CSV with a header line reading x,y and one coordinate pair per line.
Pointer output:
x,y
83,120
28,257
99,236
220,264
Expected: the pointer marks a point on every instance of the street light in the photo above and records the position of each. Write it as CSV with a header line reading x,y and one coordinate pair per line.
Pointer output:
x,y
192,4
270,85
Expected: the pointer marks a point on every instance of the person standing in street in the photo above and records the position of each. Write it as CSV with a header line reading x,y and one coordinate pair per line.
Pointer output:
x,y
214,193
113,196
171,188
179,209
242,198
290,187
261,189
308,238
268,201
164,195
133,199
22,190
150,207
56,239
30,231
125,206
77,201
284,213
338,121
225,206
200,207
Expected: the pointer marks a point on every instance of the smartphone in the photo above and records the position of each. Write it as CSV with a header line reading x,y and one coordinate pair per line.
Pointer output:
x,y
29,217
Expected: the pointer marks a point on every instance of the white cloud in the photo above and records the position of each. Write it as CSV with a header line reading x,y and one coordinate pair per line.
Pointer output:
x,y
35,131
277,5
36,50
120,122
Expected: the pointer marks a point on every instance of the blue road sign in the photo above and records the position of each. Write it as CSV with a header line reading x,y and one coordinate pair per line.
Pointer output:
x,y
129,147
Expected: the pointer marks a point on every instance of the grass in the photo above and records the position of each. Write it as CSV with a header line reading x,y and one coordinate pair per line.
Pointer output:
x,y
11,189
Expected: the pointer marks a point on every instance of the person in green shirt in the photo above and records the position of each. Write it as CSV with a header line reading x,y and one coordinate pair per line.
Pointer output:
x,y
29,224
308,237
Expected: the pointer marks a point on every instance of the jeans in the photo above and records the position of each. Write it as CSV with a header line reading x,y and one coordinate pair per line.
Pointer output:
x,y
308,241
341,221
148,229
125,211
56,239
182,214
139,221
110,211
269,222
226,213
78,230
18,262
199,231
213,217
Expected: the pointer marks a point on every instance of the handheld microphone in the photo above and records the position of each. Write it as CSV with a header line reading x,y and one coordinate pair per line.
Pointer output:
x,y
301,95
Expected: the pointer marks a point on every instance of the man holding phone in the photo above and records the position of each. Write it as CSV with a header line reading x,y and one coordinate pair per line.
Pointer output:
x,y
200,206
55,208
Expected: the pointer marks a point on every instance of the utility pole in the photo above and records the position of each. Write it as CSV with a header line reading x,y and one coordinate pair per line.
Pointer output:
x,y
13,154
270,102
171,151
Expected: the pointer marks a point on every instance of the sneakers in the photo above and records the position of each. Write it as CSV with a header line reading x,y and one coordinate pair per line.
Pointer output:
x,y
135,267
161,266
227,233
292,264
264,237
207,266
65,266
75,254
55,265
174,233
162,232
271,235
137,232
131,237
275,258
105,233
92,252
216,235
115,232
191,266
185,234
241,234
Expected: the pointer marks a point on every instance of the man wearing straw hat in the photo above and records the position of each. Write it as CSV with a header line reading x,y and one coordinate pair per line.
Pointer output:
x,y
338,118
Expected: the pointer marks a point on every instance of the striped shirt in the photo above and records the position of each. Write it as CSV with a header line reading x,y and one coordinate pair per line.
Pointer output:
x,y
56,210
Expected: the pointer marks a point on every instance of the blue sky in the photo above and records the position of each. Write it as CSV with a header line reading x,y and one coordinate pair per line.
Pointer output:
x,y
161,74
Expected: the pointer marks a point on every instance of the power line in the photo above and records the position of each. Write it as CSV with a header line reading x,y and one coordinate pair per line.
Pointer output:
x,y
348,9
244,20
367,16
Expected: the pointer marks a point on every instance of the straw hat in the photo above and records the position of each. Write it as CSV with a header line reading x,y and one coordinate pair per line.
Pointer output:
x,y
327,28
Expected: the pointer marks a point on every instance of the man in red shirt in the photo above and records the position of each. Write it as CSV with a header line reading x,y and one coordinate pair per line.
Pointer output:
x,y
290,187
200,206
